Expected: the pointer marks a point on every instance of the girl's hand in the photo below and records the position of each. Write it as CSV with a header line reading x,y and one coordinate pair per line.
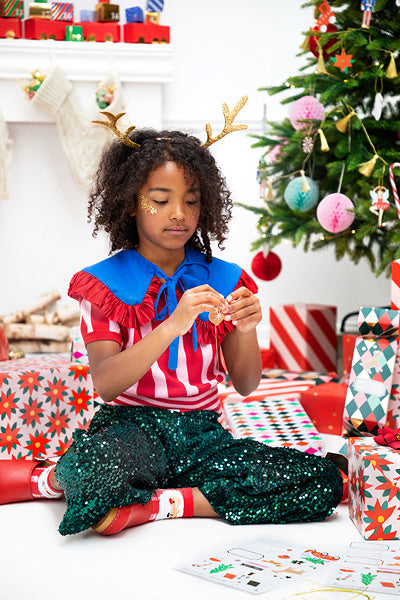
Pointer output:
x,y
244,310
194,301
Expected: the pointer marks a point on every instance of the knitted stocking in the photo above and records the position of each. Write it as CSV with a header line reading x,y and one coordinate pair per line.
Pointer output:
x,y
82,141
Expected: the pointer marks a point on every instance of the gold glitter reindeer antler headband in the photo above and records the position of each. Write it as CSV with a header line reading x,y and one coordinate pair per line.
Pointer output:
x,y
112,124
229,117
228,127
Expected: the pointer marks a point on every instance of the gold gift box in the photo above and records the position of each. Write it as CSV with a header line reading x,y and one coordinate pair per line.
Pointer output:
x,y
107,12
40,10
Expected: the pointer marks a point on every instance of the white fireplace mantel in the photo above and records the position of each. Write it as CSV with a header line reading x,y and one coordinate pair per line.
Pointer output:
x,y
142,70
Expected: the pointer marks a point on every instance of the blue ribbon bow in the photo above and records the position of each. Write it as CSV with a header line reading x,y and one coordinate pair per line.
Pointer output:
x,y
182,279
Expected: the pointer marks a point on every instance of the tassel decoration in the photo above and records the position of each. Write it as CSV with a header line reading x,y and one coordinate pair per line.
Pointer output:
x,y
342,124
321,70
367,167
270,193
304,186
324,143
391,71
306,44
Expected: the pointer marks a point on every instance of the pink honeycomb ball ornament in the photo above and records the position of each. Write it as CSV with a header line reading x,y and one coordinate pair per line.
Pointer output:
x,y
296,199
305,112
333,212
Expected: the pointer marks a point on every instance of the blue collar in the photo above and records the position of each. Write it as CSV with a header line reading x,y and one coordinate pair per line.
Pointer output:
x,y
128,276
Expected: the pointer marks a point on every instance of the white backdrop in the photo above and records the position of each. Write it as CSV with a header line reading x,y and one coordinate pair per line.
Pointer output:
x,y
222,49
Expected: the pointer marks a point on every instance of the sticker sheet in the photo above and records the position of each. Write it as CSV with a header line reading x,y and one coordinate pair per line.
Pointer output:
x,y
261,565
276,422
372,566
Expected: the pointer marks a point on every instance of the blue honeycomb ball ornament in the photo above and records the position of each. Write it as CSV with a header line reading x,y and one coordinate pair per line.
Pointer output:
x,y
296,199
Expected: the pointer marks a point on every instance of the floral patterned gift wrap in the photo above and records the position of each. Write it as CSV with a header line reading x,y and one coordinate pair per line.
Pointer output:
x,y
374,489
42,400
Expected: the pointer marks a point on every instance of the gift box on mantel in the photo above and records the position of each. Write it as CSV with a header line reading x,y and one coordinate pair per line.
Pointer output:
x,y
374,489
303,337
42,400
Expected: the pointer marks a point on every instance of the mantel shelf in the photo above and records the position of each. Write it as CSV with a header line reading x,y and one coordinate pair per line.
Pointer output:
x,y
142,69
87,61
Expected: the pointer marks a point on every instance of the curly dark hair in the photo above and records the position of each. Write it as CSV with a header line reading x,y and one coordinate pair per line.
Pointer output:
x,y
123,171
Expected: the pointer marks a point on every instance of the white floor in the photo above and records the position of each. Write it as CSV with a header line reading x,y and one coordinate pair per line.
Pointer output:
x,y
142,563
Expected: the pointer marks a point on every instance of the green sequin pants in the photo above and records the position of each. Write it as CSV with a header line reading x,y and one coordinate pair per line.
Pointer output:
x,y
127,453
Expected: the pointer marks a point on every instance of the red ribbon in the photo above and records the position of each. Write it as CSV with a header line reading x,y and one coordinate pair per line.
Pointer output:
x,y
388,437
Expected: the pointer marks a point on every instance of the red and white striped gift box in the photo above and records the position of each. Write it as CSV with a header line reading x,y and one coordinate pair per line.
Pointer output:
x,y
62,11
303,336
395,286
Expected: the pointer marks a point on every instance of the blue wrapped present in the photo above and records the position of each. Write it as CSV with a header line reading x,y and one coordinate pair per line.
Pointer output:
x,y
134,15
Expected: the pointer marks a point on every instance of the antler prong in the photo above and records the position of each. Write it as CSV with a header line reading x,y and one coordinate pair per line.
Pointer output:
x,y
112,124
229,117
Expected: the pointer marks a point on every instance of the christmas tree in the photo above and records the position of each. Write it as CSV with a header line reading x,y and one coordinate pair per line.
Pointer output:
x,y
327,171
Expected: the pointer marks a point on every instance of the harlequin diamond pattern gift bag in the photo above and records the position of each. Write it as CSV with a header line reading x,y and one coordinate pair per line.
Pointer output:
x,y
371,373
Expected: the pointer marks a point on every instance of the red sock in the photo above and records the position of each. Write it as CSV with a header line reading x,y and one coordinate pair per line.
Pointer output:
x,y
40,483
164,504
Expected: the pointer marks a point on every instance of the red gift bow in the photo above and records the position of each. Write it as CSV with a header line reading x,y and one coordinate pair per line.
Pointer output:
x,y
388,437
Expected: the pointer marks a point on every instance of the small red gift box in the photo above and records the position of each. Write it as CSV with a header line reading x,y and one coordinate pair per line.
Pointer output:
x,y
324,404
101,32
146,33
43,29
10,28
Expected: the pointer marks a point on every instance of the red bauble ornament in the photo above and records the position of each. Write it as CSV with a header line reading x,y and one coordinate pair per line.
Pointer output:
x,y
266,267
314,40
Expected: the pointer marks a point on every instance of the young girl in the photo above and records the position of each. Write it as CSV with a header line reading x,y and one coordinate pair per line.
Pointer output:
x,y
164,322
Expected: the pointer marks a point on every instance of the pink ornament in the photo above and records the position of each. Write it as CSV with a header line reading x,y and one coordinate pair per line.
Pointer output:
x,y
333,212
305,112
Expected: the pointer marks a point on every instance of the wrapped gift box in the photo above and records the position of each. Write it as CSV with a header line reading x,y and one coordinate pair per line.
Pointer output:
x,y
280,389
146,33
101,32
348,344
40,10
316,377
370,383
304,337
395,285
10,28
107,12
393,416
42,400
275,422
62,11
324,404
43,29
374,491
13,9
134,14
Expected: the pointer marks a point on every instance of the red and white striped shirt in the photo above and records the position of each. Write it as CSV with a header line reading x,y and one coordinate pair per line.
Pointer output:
x,y
192,386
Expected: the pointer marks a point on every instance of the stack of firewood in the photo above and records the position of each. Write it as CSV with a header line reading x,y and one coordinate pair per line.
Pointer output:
x,y
40,327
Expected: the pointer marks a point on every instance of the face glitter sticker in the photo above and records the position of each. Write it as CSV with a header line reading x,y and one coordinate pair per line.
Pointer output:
x,y
146,206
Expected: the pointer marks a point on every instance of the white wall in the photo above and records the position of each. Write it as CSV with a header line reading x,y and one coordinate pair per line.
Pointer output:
x,y
222,50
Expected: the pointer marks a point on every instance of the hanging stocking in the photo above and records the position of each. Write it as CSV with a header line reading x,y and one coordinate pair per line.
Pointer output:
x,y
5,157
82,142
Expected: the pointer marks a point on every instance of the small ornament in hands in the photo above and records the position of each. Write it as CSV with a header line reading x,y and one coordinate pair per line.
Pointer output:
x,y
215,317
31,86
334,212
